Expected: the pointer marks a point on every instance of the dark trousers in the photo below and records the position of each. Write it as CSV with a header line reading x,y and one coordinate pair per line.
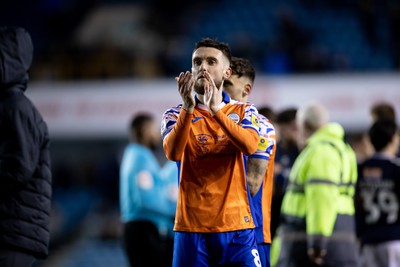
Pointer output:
x,y
12,258
145,247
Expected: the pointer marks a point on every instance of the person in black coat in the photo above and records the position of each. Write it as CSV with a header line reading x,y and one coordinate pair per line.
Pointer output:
x,y
25,176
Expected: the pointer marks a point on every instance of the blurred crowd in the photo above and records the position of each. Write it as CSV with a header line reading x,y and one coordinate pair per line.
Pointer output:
x,y
123,39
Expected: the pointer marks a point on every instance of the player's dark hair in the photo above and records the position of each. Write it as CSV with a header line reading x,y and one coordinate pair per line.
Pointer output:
x,y
208,42
286,116
138,123
383,111
268,112
243,67
381,133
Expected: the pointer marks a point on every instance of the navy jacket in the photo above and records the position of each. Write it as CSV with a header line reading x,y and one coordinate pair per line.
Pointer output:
x,y
25,176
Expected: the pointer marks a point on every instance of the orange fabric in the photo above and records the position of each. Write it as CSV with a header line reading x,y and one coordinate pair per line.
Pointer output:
x,y
237,134
267,198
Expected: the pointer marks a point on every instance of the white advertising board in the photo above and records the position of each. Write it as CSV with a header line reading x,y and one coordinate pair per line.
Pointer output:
x,y
104,108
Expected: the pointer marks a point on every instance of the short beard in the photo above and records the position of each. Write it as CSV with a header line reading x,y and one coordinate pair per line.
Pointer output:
x,y
199,87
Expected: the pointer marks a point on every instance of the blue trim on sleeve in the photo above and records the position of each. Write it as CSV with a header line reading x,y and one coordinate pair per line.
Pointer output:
x,y
225,97
250,127
258,156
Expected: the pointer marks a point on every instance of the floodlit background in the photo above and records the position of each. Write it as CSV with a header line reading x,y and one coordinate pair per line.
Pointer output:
x,y
99,62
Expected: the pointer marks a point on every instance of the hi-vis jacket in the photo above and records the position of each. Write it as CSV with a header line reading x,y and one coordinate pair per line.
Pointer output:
x,y
318,207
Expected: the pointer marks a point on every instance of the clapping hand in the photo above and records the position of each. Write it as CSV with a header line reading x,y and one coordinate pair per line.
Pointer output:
x,y
212,94
316,256
185,87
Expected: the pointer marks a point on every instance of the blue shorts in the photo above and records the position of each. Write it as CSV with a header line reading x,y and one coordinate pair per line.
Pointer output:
x,y
264,251
236,248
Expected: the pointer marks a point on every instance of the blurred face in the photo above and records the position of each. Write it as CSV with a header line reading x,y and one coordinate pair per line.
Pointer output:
x,y
213,61
152,134
290,133
237,88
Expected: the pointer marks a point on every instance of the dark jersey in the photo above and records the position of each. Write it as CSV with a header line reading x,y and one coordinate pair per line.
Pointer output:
x,y
377,200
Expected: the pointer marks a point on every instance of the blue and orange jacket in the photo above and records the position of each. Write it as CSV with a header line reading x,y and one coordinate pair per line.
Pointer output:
x,y
210,151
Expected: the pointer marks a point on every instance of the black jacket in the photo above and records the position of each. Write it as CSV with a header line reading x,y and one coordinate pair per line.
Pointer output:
x,y
25,176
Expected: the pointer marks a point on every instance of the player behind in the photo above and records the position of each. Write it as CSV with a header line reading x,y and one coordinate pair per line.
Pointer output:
x,y
147,201
209,136
382,110
377,198
260,164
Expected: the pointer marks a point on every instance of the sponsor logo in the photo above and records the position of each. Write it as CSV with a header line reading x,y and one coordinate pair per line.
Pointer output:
x,y
235,117
262,145
254,120
145,180
196,119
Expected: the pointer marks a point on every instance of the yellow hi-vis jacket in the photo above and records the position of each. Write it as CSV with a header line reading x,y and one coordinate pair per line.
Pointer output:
x,y
318,207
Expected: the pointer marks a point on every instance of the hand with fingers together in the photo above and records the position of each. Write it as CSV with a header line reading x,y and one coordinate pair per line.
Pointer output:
x,y
212,94
185,87
316,255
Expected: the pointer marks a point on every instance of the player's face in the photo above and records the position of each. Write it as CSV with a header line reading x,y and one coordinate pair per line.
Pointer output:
x,y
211,60
235,87
291,133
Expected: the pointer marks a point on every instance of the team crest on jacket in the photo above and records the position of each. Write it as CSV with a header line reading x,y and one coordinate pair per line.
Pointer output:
x,y
235,117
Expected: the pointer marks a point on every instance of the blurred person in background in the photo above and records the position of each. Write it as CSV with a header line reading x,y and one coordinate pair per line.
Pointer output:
x,y
377,199
25,189
287,150
208,135
269,113
260,165
318,226
360,142
382,111
147,197
361,145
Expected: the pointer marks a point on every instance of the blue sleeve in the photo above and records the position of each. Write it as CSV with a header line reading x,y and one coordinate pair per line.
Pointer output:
x,y
130,200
